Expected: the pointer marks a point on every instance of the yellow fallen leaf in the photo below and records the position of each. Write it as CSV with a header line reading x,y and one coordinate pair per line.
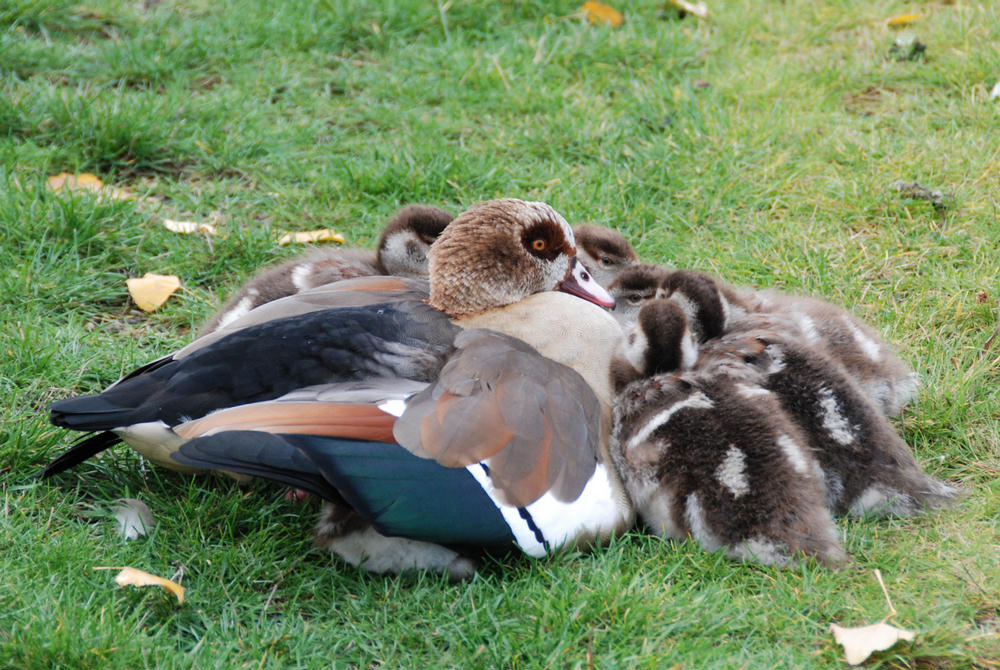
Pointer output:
x,y
311,236
860,642
597,13
152,290
699,9
65,181
903,19
133,577
189,227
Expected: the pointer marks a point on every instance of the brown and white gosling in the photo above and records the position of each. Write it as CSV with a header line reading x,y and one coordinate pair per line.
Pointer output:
x,y
712,456
401,251
604,251
714,307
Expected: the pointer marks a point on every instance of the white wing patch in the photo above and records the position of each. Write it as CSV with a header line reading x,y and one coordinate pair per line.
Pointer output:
x,y
394,406
833,420
808,327
794,453
300,276
751,391
695,516
732,472
242,307
696,401
866,344
597,512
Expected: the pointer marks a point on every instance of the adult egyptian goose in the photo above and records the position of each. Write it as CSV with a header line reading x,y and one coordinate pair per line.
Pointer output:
x,y
478,418
711,455
401,251
604,251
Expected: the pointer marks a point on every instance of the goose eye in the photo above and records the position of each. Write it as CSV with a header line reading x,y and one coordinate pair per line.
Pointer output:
x,y
539,244
634,298
605,260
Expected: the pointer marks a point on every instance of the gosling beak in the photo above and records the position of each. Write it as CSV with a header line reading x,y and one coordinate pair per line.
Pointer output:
x,y
580,283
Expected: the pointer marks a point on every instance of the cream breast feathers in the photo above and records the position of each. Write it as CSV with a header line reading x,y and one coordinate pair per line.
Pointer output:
x,y
566,329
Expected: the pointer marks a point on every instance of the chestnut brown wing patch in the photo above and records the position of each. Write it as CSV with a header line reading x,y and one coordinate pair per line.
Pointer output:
x,y
535,422
338,419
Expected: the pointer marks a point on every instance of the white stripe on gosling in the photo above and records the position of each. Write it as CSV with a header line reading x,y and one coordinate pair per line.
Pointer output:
x,y
867,344
696,401
300,276
833,421
732,472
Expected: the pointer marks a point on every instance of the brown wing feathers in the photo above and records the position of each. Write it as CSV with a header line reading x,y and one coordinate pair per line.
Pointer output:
x,y
534,421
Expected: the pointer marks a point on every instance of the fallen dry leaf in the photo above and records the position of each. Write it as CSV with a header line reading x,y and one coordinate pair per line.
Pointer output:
x,y
699,9
152,290
133,577
862,641
940,200
134,518
189,227
65,181
901,20
598,13
311,237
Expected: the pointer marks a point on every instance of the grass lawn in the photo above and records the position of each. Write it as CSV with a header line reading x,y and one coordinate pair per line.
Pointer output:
x,y
760,145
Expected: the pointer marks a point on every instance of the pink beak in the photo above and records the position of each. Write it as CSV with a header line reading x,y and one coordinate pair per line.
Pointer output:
x,y
580,283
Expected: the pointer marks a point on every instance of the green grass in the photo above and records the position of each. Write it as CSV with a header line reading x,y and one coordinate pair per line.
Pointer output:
x,y
759,145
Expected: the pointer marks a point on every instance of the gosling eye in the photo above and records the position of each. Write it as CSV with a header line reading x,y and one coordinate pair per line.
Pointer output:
x,y
634,298
749,359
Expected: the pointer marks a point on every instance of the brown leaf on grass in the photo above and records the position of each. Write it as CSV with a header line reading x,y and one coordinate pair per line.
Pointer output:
x,y
860,642
869,100
132,577
597,13
901,20
940,200
65,181
982,296
152,290
311,237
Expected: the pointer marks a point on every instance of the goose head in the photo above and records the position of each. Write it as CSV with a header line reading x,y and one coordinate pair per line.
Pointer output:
x,y
408,236
661,340
604,251
501,251
701,298
633,288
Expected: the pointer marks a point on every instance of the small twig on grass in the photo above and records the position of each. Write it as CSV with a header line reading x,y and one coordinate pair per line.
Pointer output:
x,y
885,592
